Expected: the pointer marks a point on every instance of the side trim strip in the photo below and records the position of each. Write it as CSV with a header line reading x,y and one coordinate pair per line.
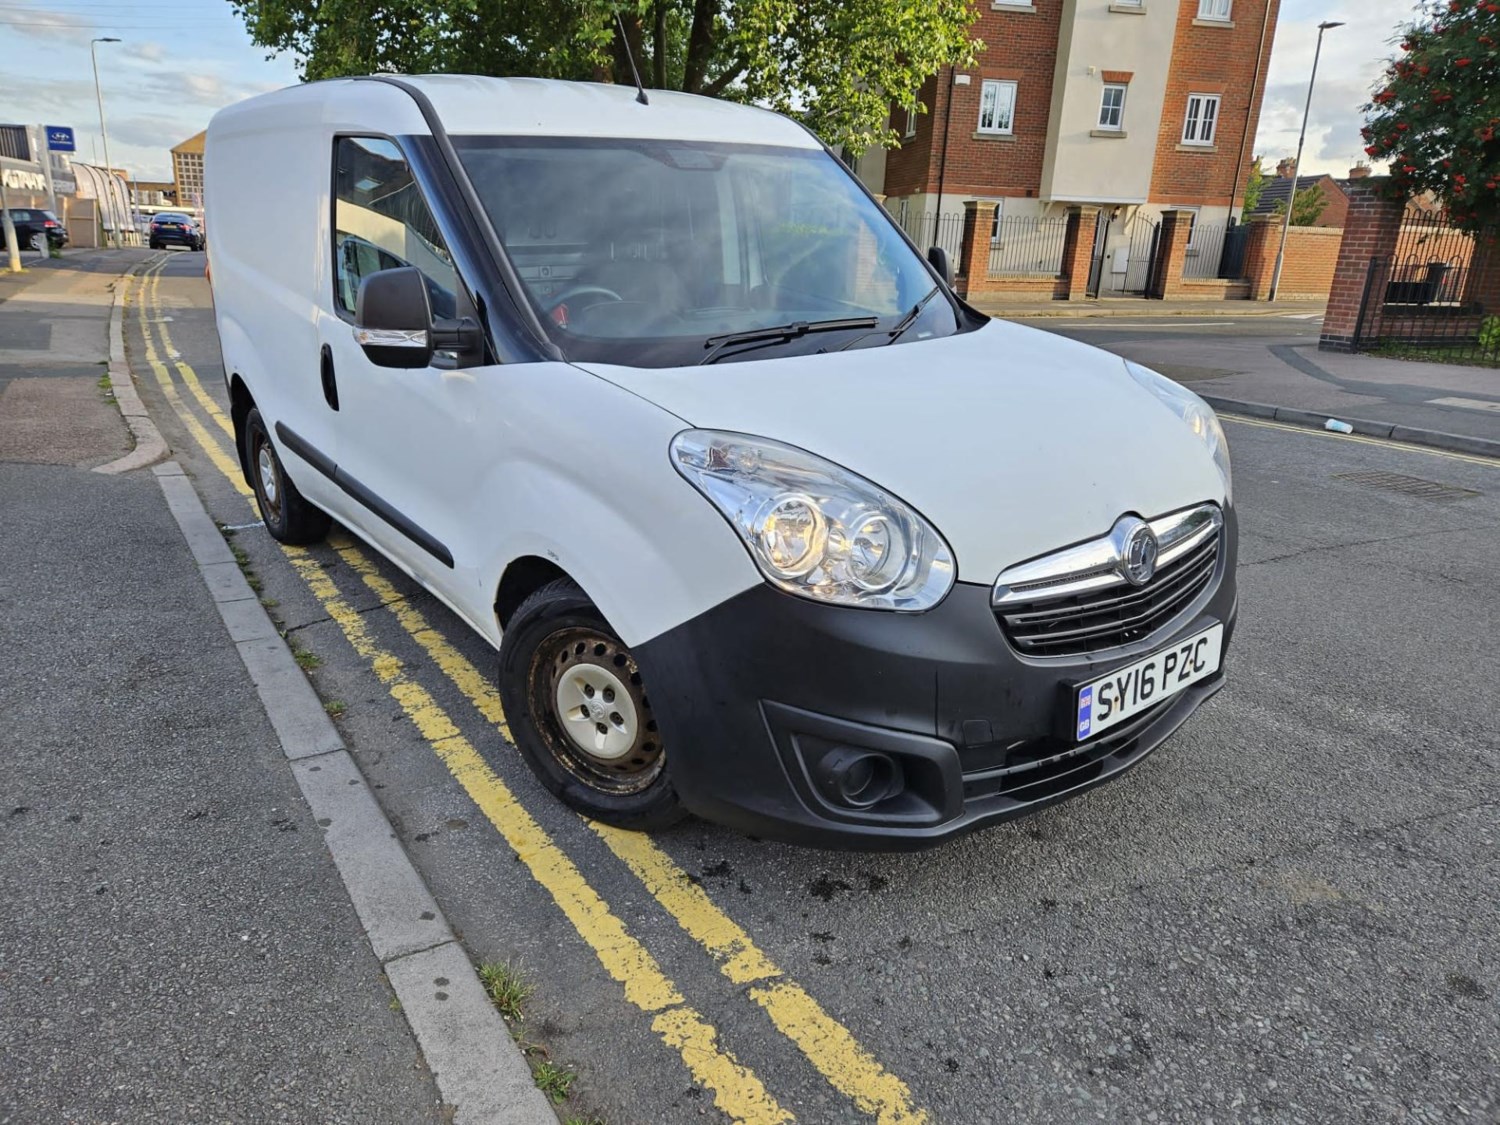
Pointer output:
x,y
326,465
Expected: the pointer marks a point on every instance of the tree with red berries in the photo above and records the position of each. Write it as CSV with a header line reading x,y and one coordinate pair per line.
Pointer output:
x,y
1436,115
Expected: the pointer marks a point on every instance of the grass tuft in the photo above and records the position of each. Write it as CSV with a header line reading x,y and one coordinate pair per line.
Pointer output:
x,y
506,988
553,1080
335,707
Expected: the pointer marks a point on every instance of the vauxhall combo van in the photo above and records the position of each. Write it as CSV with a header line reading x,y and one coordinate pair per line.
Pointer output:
x,y
765,523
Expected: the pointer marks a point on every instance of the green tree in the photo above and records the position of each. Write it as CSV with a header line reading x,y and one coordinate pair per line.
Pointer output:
x,y
1254,186
1436,114
1308,206
838,65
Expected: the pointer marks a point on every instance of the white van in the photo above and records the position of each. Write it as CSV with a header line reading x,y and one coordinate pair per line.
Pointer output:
x,y
766,524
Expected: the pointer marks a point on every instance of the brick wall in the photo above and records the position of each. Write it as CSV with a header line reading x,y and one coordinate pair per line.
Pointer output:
x,y
1209,58
1373,226
974,257
1021,47
1312,255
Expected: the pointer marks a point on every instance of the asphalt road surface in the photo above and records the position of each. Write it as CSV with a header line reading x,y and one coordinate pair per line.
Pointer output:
x,y
1290,912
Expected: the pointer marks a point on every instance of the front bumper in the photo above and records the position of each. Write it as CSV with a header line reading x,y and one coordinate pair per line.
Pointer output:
x,y
752,695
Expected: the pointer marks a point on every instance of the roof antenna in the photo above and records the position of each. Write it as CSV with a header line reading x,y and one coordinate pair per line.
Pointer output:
x,y
640,90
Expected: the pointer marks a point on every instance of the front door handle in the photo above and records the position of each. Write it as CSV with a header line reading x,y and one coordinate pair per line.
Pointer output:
x,y
330,384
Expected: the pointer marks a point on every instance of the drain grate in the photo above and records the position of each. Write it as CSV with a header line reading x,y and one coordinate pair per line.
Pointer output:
x,y
1408,486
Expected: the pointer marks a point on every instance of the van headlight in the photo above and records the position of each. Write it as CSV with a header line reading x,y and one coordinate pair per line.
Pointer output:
x,y
815,529
1198,415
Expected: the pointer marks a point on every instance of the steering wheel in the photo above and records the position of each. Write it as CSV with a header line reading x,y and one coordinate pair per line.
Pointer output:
x,y
580,290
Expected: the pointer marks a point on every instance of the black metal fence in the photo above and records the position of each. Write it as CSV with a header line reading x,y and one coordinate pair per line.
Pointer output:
x,y
928,229
1126,270
1436,296
1028,245
1217,250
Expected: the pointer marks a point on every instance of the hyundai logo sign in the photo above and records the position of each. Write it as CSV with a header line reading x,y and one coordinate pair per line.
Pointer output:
x,y
60,139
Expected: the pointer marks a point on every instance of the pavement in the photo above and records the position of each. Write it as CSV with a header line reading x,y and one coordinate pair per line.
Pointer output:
x,y
1288,913
1010,307
1270,367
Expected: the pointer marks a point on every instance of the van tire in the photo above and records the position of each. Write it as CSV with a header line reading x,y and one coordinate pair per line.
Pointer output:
x,y
558,646
288,517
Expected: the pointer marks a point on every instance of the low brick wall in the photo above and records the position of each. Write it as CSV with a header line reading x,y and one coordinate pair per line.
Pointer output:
x,y
1037,284
1213,289
1312,254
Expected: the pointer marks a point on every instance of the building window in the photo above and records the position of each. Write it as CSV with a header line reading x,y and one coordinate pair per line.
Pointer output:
x,y
1127,3
1112,107
909,127
1214,9
1202,119
995,225
997,107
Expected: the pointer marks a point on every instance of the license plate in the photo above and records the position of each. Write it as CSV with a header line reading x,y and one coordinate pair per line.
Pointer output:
x,y
1132,689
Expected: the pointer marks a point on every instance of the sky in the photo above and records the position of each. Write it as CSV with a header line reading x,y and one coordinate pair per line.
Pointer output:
x,y
180,60
1352,62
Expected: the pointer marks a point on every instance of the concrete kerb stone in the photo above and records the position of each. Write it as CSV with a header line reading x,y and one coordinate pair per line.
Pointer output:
x,y
1436,439
150,446
479,1069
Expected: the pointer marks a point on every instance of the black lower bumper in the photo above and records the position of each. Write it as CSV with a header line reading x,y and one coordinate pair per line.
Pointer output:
x,y
755,695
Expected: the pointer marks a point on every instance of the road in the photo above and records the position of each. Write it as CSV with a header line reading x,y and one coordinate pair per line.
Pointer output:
x,y
1291,912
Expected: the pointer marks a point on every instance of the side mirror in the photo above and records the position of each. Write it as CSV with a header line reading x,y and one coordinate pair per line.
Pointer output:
x,y
393,318
938,257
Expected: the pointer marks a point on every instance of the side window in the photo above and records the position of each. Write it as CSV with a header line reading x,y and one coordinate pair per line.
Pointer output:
x,y
381,222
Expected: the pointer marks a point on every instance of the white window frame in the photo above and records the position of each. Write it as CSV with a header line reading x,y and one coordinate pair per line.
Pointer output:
x,y
995,223
1200,127
1127,3
909,130
1119,111
998,86
1220,10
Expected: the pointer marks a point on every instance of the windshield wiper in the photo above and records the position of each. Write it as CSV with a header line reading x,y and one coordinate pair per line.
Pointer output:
x,y
901,325
799,328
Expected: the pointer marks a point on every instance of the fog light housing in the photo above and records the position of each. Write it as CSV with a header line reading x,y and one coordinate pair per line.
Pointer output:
x,y
859,779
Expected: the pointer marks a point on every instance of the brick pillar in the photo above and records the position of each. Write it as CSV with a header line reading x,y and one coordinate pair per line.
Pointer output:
x,y
1370,232
1260,255
974,255
1078,253
1171,255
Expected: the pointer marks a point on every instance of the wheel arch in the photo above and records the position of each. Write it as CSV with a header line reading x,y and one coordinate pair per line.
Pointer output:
x,y
522,578
241,402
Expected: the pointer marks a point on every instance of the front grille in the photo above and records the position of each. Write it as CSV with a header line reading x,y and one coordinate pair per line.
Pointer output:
x,y
1096,620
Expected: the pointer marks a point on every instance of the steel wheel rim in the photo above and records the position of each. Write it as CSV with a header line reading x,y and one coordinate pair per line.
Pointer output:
x,y
626,756
269,477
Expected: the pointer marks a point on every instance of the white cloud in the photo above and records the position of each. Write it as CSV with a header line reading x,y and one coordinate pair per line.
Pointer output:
x,y
148,51
47,24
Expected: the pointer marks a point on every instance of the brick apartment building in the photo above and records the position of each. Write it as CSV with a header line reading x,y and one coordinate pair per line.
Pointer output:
x,y
1133,107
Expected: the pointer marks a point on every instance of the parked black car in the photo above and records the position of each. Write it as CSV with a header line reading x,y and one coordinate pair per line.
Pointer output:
x,y
169,227
30,223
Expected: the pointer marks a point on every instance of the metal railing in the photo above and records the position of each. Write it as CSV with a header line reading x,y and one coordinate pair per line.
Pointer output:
x,y
1028,245
1436,296
928,229
1204,251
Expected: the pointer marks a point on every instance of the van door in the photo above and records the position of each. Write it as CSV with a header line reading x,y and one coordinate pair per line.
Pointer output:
x,y
404,435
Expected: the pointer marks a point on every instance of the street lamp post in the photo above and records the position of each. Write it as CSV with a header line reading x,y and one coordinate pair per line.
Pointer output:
x,y
109,175
1286,220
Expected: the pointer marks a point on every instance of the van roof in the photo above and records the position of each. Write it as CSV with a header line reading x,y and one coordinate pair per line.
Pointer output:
x,y
471,104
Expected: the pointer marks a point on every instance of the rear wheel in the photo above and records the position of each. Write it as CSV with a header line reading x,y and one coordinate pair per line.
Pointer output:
x,y
289,518
579,712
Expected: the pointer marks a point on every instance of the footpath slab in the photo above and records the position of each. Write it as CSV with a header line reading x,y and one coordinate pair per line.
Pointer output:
x,y
1137,308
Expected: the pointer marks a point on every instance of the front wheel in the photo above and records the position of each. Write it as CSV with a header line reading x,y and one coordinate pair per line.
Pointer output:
x,y
288,517
579,712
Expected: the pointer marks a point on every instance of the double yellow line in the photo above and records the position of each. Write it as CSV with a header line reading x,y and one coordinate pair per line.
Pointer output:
x,y
737,1091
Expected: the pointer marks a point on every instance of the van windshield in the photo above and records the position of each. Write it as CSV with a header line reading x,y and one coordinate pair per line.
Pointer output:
x,y
651,252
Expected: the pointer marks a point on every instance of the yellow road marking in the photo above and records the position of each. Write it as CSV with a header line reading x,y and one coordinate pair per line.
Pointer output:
x,y
189,376
825,1042
222,461
737,1091
1362,439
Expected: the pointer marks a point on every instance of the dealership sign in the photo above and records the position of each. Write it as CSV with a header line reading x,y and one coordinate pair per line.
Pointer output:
x,y
60,138
19,180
